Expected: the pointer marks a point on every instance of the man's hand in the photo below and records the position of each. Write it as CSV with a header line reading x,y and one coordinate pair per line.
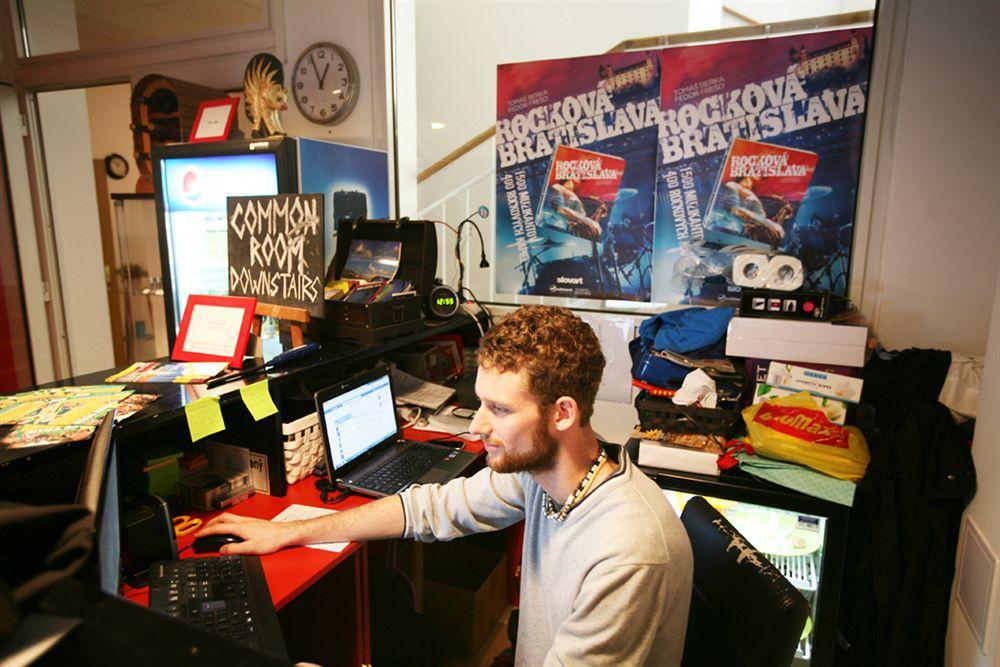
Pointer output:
x,y
260,536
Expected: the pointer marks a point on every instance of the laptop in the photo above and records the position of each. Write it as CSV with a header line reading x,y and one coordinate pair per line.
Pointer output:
x,y
364,449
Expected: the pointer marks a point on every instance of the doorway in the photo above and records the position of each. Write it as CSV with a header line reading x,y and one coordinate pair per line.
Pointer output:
x,y
104,236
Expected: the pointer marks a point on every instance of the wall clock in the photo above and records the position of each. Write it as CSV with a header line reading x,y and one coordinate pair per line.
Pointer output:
x,y
116,166
325,83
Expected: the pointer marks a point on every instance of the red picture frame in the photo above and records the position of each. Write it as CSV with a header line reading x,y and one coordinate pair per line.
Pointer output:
x,y
227,329
214,120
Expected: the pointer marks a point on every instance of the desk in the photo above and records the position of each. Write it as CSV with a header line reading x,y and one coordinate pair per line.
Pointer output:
x,y
321,597
56,467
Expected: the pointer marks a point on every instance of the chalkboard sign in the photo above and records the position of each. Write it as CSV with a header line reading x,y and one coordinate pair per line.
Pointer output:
x,y
276,249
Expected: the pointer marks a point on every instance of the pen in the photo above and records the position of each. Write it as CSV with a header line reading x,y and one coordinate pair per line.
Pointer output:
x,y
278,360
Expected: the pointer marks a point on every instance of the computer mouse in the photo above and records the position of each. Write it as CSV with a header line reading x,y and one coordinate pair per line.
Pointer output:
x,y
212,543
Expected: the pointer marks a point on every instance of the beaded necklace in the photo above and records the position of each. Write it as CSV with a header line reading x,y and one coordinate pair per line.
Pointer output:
x,y
574,498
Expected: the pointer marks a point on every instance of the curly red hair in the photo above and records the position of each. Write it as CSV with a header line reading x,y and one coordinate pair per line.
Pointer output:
x,y
559,352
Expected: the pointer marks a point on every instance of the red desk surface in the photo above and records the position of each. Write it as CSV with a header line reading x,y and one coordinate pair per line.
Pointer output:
x,y
289,571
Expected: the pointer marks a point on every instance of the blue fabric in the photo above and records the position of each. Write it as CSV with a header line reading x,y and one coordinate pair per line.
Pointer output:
x,y
687,329
652,369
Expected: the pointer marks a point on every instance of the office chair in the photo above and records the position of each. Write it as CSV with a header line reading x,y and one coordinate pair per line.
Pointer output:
x,y
743,610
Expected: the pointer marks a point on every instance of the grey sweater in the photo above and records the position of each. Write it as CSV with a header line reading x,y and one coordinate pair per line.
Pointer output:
x,y
609,586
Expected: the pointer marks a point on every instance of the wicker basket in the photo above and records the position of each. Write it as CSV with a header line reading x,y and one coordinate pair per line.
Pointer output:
x,y
303,447
661,413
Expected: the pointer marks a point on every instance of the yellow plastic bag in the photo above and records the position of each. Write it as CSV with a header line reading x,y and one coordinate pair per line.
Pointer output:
x,y
792,428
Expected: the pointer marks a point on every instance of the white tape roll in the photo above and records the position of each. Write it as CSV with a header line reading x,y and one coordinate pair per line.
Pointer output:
x,y
750,270
784,273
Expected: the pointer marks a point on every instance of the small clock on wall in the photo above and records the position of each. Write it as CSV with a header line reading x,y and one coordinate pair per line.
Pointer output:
x,y
325,83
116,166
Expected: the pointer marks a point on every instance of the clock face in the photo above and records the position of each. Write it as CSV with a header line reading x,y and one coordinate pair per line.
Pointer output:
x,y
325,83
443,301
116,166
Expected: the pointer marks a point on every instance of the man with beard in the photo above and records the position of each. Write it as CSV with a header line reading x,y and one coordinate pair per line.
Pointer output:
x,y
606,570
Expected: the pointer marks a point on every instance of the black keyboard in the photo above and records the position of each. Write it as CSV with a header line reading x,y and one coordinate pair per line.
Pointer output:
x,y
225,595
402,469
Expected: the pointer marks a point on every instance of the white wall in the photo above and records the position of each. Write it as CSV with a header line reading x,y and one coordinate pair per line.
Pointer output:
x,y
355,25
459,45
941,230
770,11
70,173
961,648
108,107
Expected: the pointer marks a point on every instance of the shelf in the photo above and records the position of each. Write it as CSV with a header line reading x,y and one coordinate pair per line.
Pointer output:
x,y
144,292
799,570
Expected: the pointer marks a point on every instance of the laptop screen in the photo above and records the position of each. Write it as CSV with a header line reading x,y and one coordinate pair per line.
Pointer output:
x,y
98,492
358,420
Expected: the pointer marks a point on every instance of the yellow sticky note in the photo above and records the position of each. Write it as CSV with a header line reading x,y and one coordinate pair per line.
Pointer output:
x,y
257,398
204,417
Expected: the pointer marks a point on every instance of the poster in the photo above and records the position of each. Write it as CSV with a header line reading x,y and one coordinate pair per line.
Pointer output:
x,y
759,150
354,182
276,250
575,160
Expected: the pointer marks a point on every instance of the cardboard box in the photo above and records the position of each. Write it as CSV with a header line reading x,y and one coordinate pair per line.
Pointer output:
x,y
465,592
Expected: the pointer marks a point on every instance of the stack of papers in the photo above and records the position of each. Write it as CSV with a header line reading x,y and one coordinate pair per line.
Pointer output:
x,y
411,390
63,414
180,372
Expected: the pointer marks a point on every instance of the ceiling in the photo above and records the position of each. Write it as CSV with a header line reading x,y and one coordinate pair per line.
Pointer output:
x,y
104,23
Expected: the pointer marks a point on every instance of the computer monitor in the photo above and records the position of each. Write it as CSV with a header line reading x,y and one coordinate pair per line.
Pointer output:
x,y
99,493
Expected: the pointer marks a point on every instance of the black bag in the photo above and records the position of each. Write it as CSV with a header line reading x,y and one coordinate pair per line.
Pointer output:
x,y
39,546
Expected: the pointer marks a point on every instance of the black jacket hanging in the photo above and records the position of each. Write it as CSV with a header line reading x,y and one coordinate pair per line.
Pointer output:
x,y
905,523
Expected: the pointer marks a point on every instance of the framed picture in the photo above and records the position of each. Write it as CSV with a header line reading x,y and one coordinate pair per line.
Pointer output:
x,y
215,328
214,120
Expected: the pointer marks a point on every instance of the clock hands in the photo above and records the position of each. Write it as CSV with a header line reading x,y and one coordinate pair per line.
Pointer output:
x,y
320,77
323,77
316,70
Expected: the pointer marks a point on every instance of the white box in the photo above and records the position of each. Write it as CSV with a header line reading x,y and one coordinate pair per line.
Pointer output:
x,y
673,457
791,340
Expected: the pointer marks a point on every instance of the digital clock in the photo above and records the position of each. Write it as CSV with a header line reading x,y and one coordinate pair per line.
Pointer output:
x,y
442,302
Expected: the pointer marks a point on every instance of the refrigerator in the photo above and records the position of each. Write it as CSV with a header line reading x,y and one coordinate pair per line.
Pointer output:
x,y
804,537
191,184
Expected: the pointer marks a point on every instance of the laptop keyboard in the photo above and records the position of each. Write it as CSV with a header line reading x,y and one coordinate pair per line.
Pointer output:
x,y
411,462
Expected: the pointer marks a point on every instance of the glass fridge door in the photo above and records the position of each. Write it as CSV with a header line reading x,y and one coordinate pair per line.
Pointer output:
x,y
144,323
794,543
